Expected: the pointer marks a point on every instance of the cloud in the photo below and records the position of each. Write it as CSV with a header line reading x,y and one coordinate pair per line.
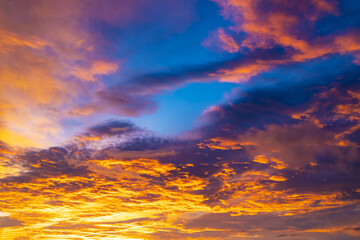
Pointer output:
x,y
291,26
299,134
324,221
112,128
58,74
97,68
57,58
144,87
282,155
179,188
279,160
222,40
9,222
41,59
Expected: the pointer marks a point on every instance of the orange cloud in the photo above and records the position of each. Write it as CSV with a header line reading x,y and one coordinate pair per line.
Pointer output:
x,y
11,40
242,73
265,29
40,58
220,143
97,68
138,198
277,178
223,41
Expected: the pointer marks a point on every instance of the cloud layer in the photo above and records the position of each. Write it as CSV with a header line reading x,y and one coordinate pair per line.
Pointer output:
x,y
278,158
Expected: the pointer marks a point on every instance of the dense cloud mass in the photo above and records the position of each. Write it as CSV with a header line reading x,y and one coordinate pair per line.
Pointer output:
x,y
277,158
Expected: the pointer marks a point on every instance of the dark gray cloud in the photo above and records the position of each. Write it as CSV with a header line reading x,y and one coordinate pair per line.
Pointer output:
x,y
112,128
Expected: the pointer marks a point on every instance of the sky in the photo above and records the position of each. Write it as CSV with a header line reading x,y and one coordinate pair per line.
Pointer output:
x,y
191,119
